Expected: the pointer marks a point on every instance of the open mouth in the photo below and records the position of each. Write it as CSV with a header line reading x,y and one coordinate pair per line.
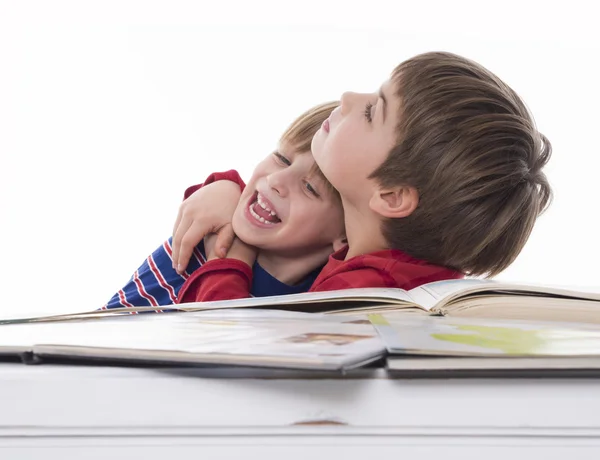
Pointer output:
x,y
261,210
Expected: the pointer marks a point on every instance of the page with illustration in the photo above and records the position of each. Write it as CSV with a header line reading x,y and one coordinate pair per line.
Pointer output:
x,y
221,336
444,336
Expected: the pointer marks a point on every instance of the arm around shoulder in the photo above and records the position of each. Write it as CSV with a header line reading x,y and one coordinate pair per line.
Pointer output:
x,y
217,279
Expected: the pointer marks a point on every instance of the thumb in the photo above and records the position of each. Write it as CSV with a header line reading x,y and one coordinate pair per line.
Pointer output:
x,y
224,241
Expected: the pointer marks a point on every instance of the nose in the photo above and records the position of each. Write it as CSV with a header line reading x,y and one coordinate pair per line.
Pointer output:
x,y
278,182
347,100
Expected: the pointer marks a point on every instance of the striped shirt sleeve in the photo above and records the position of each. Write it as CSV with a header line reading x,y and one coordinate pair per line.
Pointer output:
x,y
155,282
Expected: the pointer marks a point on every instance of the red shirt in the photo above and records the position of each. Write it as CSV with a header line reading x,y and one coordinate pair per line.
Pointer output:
x,y
224,279
231,175
216,282
388,268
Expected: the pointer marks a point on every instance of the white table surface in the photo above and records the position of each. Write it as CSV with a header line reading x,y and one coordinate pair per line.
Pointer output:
x,y
59,411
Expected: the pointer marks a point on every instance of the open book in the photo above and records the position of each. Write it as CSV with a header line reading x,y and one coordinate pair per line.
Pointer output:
x,y
255,338
471,298
433,344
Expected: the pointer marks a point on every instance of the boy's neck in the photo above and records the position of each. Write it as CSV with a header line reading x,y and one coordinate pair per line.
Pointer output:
x,y
291,269
363,231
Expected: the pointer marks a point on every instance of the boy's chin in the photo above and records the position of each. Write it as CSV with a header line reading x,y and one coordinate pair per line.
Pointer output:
x,y
249,235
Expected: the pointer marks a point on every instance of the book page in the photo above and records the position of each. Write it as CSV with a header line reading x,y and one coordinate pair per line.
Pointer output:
x,y
442,294
329,300
248,336
307,301
443,336
433,294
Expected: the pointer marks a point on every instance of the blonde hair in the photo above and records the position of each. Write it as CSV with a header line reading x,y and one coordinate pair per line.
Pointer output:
x,y
300,133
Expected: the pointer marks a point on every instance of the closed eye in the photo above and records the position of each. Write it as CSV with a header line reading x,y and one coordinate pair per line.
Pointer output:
x,y
368,115
310,189
282,159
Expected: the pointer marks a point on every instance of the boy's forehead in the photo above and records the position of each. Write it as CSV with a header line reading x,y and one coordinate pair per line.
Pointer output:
x,y
389,90
387,87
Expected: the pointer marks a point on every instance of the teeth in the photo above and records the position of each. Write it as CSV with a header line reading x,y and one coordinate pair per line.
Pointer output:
x,y
259,218
263,205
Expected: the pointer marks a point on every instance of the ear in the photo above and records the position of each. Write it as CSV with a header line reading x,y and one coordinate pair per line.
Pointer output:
x,y
339,243
395,203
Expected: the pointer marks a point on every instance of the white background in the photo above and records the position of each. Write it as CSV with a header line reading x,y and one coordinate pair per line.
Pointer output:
x,y
109,110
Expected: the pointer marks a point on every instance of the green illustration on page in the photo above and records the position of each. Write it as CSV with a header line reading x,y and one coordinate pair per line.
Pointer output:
x,y
469,337
511,341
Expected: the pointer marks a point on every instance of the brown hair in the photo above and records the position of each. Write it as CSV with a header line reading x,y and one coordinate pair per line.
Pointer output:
x,y
470,147
300,133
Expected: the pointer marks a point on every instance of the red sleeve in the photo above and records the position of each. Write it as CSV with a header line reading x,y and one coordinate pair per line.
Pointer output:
x,y
361,278
217,279
231,175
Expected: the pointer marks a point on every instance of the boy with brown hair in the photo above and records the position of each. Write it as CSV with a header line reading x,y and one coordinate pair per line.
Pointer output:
x,y
441,169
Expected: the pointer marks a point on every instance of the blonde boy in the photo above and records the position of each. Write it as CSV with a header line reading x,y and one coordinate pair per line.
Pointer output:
x,y
290,240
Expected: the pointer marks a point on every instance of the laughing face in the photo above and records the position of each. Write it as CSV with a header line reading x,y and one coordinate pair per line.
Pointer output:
x,y
288,210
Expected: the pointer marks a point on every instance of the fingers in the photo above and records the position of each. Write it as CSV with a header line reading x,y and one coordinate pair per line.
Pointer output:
x,y
225,238
178,234
178,220
208,209
179,229
209,246
194,234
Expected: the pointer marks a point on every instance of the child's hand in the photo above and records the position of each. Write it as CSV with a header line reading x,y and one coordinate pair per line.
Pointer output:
x,y
242,251
207,210
238,250
211,240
